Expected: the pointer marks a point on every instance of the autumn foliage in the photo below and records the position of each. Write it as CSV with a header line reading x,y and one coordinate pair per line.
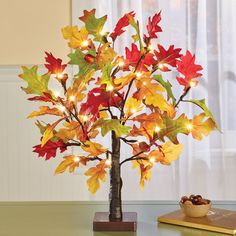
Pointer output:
x,y
128,95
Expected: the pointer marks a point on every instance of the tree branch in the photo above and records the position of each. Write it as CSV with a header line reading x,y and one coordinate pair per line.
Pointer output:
x,y
182,96
130,158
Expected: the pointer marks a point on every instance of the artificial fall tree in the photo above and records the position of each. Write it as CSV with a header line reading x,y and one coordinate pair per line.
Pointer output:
x,y
122,97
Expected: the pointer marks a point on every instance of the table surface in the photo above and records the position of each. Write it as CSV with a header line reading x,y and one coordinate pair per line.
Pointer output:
x,y
75,219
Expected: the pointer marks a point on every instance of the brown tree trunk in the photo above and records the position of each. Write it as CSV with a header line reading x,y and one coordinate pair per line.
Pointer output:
x,y
115,182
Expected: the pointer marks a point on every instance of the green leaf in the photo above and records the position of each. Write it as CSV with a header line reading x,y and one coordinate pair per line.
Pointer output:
x,y
109,125
136,37
167,85
77,58
171,128
94,25
202,104
37,84
106,75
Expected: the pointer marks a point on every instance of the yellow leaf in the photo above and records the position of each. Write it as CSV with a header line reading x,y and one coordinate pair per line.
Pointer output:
x,y
123,81
97,173
94,149
76,37
170,152
48,134
132,106
201,125
45,110
105,55
70,162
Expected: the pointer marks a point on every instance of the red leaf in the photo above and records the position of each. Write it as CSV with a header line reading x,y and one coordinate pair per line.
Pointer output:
x,y
50,149
152,26
122,23
46,98
167,57
99,96
54,65
146,62
187,67
133,55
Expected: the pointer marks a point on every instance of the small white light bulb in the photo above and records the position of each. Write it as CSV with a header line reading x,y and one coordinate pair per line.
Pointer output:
x,y
121,64
133,110
144,83
108,162
138,74
72,98
85,43
189,127
193,84
160,65
157,129
56,93
61,108
60,76
152,160
85,118
102,32
150,48
110,88
76,159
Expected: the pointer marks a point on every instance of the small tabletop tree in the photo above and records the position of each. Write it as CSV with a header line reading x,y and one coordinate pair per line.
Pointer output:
x,y
122,97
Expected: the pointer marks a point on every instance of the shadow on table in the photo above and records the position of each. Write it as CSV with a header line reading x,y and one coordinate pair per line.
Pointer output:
x,y
114,233
185,231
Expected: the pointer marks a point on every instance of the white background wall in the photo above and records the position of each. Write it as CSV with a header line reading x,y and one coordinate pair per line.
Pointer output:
x,y
24,177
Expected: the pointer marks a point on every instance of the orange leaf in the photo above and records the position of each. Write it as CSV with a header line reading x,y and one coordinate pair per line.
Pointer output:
x,y
94,149
45,110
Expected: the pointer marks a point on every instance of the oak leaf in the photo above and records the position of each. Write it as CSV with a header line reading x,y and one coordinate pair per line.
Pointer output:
x,y
45,110
94,149
54,65
132,106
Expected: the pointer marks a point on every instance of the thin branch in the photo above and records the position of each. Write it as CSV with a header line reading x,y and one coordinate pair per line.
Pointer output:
x,y
182,96
130,158
95,158
73,144
129,140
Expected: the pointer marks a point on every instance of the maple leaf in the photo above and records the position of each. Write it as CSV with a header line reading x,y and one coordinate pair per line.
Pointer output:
x,y
121,82
99,97
49,132
111,125
76,37
78,58
121,24
133,55
70,162
94,25
46,97
167,57
105,55
187,67
152,27
49,149
94,149
54,65
37,84
97,173
132,106
200,125
45,110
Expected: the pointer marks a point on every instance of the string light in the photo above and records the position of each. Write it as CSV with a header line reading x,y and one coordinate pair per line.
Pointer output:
x,y
72,98
59,75
85,43
150,48
189,127
152,160
102,32
121,64
56,93
157,129
144,83
108,162
76,159
138,74
110,88
133,110
193,84
85,118
160,65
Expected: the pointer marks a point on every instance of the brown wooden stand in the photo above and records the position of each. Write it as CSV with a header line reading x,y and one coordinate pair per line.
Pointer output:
x,y
101,222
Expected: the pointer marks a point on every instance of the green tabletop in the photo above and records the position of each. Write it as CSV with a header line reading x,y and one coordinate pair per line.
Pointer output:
x,y
75,219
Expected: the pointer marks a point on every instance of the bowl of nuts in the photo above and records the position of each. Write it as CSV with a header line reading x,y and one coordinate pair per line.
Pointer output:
x,y
195,205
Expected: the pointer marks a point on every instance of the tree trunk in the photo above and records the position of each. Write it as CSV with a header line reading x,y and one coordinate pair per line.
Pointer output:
x,y
115,181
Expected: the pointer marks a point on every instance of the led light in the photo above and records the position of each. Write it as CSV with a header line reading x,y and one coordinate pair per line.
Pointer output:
x,y
144,83
189,126
160,65
72,98
85,118
60,76
157,129
56,93
150,48
108,162
76,159
133,110
138,74
121,63
152,160
102,32
85,43
110,88
61,108
193,84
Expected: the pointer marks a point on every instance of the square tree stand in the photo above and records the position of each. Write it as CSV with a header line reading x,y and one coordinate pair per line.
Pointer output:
x,y
101,222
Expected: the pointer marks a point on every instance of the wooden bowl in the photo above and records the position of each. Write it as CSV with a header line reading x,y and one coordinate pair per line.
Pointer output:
x,y
195,210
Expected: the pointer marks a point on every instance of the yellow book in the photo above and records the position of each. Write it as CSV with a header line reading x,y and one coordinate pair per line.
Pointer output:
x,y
217,220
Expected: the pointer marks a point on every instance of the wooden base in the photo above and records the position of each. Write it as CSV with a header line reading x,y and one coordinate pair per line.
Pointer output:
x,y
101,222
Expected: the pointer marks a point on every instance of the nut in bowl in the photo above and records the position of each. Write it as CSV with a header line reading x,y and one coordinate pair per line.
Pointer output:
x,y
195,206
